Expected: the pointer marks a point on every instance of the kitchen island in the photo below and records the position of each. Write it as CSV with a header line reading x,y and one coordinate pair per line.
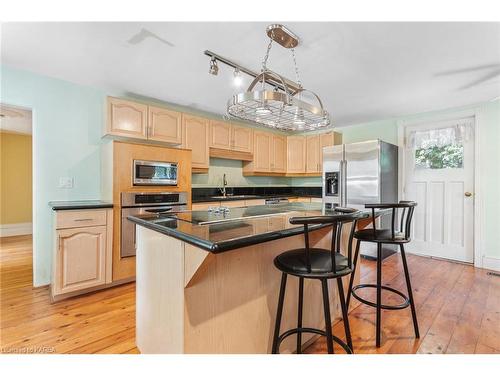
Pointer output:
x,y
206,282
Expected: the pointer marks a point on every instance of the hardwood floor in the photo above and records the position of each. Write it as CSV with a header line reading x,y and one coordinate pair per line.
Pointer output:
x,y
458,309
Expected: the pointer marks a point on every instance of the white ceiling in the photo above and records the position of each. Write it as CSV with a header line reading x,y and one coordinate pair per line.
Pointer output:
x,y
362,71
15,119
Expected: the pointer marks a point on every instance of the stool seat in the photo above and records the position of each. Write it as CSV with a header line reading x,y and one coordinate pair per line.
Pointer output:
x,y
380,236
295,262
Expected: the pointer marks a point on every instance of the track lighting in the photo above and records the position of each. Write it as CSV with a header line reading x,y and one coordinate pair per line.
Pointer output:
x,y
237,79
214,69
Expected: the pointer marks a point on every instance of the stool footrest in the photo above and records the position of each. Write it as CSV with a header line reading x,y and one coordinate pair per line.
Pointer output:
x,y
290,332
403,305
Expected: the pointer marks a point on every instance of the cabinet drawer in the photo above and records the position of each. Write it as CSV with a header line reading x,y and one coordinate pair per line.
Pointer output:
x,y
80,218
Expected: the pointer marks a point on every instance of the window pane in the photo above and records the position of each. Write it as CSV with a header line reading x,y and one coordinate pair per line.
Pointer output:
x,y
439,157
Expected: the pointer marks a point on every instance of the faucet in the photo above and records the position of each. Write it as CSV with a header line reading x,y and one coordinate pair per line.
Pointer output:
x,y
224,184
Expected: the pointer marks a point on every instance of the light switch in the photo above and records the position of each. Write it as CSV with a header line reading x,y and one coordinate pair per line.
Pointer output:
x,y
66,182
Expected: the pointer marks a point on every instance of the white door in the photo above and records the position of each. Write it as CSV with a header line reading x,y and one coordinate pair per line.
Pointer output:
x,y
439,176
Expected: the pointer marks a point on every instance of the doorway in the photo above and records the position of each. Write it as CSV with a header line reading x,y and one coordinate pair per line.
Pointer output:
x,y
16,171
439,175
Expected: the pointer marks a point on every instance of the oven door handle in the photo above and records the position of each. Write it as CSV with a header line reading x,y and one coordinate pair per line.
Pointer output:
x,y
159,210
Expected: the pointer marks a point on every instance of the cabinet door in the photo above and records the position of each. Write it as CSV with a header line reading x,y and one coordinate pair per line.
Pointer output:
x,y
80,259
242,139
279,154
127,119
164,125
325,140
262,151
296,154
312,159
220,135
195,137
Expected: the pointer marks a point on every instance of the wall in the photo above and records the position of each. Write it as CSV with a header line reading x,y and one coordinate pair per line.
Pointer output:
x,y
67,125
15,178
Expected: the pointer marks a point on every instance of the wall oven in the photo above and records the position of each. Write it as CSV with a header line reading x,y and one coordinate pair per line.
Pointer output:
x,y
147,172
143,204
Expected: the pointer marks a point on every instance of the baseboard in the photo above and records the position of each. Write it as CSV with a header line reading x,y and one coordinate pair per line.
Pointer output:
x,y
7,230
491,263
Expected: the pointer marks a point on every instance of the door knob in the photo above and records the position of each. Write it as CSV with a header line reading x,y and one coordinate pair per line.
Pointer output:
x,y
468,194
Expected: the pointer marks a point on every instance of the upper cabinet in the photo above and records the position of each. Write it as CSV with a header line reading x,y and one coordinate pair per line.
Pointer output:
x,y
140,121
242,138
220,135
296,154
164,125
127,119
262,151
232,138
278,154
313,154
195,138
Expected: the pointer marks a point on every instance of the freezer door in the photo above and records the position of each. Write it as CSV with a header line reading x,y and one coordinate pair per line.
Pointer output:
x,y
362,170
332,164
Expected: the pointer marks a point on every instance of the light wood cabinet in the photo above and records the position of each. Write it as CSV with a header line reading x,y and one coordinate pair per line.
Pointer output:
x,y
312,154
278,163
127,118
220,135
164,125
262,151
82,258
195,134
242,139
226,136
296,154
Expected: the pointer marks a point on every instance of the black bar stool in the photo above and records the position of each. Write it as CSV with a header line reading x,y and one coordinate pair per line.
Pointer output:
x,y
386,236
321,264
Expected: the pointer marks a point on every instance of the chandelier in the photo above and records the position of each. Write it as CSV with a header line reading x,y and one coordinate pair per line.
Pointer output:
x,y
272,100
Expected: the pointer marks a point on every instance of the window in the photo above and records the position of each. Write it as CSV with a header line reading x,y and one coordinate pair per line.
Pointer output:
x,y
439,157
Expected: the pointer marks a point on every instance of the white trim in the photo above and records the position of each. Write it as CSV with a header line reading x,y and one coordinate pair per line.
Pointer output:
x,y
19,229
476,113
491,263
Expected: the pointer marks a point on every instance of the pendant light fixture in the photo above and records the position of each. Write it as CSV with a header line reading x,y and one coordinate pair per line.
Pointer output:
x,y
275,102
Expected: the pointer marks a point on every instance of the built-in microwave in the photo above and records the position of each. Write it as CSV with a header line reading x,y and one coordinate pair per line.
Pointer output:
x,y
154,173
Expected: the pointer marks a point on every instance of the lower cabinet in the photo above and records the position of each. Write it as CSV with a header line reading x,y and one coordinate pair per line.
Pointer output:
x,y
82,254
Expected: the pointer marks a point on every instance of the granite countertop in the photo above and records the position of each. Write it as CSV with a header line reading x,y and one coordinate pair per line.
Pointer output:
x,y
241,226
79,205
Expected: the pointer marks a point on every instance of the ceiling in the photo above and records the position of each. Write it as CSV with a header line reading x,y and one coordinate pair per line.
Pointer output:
x,y
15,119
362,71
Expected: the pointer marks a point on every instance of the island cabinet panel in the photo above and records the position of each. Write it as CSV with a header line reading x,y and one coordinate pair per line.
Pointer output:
x,y
127,118
296,154
313,154
242,139
164,125
262,151
195,138
278,163
220,135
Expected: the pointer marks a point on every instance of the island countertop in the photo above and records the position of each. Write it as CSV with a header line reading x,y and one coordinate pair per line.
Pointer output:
x,y
239,227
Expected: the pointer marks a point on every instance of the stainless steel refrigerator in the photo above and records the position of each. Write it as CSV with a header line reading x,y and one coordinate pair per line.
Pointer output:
x,y
358,173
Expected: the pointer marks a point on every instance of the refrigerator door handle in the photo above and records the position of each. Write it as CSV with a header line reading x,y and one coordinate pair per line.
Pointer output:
x,y
345,183
341,183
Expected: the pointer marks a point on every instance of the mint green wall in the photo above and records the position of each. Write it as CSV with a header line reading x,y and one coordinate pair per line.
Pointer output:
x,y
67,126
385,130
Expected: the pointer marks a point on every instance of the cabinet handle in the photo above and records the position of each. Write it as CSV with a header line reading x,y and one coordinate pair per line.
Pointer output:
x,y
84,219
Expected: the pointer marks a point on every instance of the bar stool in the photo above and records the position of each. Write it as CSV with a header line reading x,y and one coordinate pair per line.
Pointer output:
x,y
386,236
320,264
